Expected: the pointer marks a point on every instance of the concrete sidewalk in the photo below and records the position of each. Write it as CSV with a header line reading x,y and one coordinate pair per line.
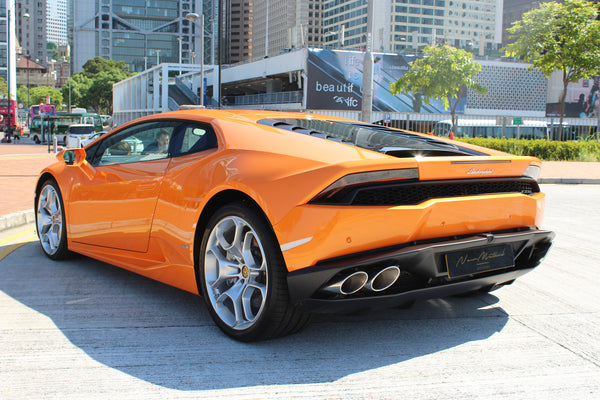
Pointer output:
x,y
20,165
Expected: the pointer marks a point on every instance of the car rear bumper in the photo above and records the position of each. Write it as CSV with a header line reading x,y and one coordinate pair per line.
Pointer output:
x,y
423,271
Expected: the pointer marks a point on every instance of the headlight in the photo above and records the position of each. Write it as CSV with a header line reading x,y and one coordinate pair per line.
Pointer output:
x,y
533,171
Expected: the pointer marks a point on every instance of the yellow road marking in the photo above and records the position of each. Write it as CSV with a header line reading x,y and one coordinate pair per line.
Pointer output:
x,y
29,236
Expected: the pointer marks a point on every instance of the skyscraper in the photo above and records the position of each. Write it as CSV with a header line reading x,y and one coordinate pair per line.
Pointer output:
x,y
31,23
410,24
56,17
141,33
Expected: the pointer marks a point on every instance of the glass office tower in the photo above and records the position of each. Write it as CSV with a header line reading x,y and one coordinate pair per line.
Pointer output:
x,y
142,33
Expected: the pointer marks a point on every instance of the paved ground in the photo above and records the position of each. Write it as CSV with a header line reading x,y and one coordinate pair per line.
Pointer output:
x,y
82,329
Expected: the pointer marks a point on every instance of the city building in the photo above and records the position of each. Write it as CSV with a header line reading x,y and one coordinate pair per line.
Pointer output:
x,y
238,32
412,24
31,28
32,74
280,25
56,17
8,46
513,12
141,33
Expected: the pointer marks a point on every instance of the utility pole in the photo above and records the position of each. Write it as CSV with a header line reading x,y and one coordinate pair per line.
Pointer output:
x,y
367,89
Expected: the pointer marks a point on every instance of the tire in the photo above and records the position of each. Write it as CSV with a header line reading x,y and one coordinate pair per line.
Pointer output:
x,y
50,221
243,279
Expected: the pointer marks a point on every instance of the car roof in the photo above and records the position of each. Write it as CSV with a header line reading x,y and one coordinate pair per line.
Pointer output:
x,y
239,115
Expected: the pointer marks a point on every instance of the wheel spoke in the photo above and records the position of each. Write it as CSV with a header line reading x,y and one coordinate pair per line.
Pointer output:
x,y
231,300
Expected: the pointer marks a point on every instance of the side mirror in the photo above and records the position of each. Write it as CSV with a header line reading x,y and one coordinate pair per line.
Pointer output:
x,y
74,157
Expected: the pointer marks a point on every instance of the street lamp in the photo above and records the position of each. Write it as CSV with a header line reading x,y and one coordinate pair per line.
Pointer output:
x,y
195,17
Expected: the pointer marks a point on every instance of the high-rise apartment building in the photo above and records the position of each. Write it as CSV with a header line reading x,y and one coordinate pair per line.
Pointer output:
x,y
141,33
31,28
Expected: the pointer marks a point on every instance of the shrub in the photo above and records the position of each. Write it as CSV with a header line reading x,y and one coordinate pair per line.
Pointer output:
x,y
548,150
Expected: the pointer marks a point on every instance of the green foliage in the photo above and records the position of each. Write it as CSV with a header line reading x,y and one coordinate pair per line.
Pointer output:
x,y
548,150
23,96
559,36
92,88
38,95
3,88
97,65
78,86
444,74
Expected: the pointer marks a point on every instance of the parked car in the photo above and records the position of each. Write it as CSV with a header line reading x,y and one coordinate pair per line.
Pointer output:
x,y
78,135
272,216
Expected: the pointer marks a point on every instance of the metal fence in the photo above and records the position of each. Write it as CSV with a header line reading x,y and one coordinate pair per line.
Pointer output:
x,y
485,126
263,98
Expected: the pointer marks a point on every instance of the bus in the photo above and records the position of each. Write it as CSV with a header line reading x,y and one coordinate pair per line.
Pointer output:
x,y
492,128
8,110
46,109
58,124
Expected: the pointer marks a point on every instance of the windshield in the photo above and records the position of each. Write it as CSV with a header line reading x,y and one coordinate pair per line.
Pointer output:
x,y
79,130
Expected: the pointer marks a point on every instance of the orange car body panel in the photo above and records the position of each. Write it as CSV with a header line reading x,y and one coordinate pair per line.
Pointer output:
x,y
143,216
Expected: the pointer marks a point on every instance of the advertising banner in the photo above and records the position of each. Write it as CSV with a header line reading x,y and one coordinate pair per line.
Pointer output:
x,y
335,83
582,99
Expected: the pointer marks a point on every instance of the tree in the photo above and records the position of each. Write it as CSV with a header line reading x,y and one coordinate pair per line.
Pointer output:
x,y
96,65
99,95
559,36
76,89
23,96
39,93
444,74
3,88
92,87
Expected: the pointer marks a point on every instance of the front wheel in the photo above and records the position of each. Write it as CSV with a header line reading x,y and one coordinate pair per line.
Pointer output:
x,y
50,221
243,278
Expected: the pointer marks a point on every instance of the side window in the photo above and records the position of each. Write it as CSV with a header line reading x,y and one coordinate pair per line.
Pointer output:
x,y
143,142
195,137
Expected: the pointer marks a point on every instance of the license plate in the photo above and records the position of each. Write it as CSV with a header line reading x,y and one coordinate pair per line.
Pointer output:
x,y
481,259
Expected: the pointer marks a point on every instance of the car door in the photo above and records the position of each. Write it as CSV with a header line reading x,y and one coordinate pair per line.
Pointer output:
x,y
113,204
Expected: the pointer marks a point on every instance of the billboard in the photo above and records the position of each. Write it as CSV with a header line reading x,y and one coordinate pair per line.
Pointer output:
x,y
335,83
581,101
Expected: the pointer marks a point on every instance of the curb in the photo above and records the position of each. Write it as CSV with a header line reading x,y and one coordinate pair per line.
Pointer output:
x,y
568,181
17,219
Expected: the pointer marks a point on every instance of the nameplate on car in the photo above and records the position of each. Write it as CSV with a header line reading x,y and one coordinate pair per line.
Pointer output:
x,y
481,259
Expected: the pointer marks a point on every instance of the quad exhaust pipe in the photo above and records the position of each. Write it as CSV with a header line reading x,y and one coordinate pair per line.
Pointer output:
x,y
354,282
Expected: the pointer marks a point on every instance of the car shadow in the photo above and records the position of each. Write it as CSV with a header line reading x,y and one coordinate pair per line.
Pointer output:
x,y
165,336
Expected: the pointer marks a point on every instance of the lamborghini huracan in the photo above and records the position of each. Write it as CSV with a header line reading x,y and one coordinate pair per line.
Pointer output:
x,y
274,216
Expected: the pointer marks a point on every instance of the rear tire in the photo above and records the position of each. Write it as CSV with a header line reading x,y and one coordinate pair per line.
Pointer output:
x,y
243,278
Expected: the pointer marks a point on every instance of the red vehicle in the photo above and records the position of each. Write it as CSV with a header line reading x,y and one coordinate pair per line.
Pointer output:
x,y
8,107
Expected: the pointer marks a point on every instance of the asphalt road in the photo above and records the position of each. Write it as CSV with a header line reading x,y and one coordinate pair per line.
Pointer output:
x,y
86,330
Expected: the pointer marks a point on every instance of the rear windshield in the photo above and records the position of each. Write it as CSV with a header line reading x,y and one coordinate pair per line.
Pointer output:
x,y
373,137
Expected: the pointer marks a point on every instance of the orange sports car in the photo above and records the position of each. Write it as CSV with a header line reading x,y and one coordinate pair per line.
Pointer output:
x,y
272,216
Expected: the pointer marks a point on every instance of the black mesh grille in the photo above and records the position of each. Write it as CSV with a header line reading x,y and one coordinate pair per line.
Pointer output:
x,y
417,192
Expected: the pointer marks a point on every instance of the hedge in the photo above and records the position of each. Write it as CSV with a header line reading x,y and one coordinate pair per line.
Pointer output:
x,y
548,150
